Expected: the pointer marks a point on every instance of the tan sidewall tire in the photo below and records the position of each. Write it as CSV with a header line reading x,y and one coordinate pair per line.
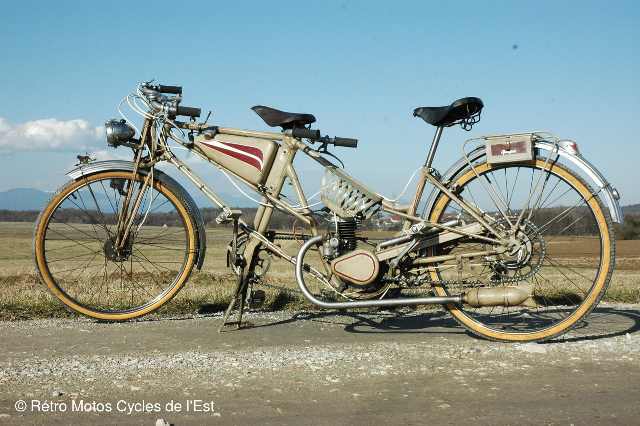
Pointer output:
x,y
49,282
596,290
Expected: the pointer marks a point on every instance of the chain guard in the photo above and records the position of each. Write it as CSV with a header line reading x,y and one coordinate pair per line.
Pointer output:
x,y
529,236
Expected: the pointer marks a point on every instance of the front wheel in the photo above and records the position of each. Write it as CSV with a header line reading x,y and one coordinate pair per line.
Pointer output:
x,y
564,251
79,259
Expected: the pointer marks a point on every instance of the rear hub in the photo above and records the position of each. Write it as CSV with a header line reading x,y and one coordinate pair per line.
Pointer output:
x,y
526,251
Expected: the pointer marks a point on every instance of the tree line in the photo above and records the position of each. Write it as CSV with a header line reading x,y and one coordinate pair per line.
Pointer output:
x,y
629,230
279,219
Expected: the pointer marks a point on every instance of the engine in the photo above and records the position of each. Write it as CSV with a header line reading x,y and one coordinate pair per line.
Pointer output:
x,y
359,267
344,239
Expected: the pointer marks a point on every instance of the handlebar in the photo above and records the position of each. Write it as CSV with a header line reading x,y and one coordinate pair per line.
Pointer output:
x,y
314,136
150,89
305,134
165,104
169,89
170,106
348,142
187,111
174,110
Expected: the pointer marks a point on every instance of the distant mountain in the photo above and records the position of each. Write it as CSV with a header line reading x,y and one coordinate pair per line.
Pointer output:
x,y
23,199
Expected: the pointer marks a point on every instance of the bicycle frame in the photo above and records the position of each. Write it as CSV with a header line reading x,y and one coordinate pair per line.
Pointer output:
x,y
282,169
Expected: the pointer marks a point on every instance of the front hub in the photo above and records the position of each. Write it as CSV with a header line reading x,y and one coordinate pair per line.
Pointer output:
x,y
114,254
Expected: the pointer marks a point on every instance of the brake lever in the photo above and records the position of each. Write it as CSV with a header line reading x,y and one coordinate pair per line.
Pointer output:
x,y
323,150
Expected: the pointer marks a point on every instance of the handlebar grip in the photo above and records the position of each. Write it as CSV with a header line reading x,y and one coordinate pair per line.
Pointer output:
x,y
188,111
306,134
348,142
170,89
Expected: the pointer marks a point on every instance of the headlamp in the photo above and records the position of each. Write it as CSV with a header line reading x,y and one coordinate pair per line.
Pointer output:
x,y
119,133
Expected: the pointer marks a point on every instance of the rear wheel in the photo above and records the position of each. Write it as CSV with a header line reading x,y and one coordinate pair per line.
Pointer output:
x,y
84,263
564,248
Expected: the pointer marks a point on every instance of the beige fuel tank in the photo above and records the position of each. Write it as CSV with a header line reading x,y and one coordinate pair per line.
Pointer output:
x,y
250,158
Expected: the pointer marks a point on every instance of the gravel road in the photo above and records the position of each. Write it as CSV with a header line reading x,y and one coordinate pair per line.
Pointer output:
x,y
308,368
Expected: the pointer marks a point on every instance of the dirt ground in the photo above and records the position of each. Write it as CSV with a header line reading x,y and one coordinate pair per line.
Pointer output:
x,y
339,368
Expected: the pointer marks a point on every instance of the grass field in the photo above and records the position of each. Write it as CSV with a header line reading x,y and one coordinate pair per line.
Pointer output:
x,y
22,296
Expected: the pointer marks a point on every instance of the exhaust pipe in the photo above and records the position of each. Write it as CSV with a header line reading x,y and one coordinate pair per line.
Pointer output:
x,y
501,296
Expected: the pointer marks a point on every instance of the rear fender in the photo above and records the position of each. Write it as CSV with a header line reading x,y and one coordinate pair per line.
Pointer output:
x,y
609,194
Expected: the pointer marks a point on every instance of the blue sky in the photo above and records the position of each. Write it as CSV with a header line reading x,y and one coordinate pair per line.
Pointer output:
x,y
360,67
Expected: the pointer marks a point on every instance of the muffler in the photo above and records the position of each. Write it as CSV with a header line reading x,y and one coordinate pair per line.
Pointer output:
x,y
501,296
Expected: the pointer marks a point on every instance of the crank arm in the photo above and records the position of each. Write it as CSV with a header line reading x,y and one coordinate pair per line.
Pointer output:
x,y
407,248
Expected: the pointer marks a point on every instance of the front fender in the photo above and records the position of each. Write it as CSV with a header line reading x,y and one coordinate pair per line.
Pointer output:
x,y
101,166
606,191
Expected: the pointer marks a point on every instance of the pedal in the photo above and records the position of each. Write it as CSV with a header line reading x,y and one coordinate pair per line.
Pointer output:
x,y
328,295
255,299
228,216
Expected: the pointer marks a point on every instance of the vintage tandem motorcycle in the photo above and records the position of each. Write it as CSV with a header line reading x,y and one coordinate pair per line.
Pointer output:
x,y
495,242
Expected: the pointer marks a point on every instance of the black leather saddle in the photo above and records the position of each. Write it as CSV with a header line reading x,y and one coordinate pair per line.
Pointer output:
x,y
455,113
286,120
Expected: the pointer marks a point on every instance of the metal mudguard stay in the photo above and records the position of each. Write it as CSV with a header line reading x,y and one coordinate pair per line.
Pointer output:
x,y
121,165
602,187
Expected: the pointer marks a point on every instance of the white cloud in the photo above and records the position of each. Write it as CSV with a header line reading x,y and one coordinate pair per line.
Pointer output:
x,y
112,154
49,135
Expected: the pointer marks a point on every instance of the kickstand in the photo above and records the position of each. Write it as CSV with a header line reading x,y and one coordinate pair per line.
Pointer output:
x,y
246,274
241,283
238,297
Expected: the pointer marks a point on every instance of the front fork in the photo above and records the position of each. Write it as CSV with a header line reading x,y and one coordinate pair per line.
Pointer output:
x,y
130,205
133,198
